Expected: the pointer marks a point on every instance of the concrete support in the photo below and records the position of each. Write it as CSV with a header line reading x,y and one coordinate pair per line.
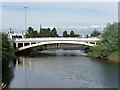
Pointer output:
x,y
23,44
59,46
16,45
30,43
95,43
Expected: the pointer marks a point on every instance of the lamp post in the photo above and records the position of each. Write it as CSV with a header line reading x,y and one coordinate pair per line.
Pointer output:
x,y
25,18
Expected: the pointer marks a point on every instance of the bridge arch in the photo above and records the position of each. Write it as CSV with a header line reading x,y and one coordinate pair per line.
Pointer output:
x,y
54,42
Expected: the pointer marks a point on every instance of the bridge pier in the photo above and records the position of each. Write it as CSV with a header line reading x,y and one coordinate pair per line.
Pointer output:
x,y
23,44
30,43
59,46
16,45
95,43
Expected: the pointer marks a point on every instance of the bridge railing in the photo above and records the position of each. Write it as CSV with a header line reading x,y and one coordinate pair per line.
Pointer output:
x,y
94,38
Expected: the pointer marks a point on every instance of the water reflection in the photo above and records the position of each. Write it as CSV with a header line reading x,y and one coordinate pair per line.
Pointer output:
x,y
64,52
63,71
7,72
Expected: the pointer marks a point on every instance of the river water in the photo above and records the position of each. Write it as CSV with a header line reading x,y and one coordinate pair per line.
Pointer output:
x,y
63,69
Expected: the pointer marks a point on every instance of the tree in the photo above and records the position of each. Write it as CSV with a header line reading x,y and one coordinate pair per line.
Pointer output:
x,y
54,32
30,30
7,49
45,32
35,33
87,36
32,33
110,38
95,33
65,34
72,34
77,35
108,46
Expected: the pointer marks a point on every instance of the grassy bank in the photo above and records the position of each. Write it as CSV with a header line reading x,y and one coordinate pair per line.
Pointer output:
x,y
113,57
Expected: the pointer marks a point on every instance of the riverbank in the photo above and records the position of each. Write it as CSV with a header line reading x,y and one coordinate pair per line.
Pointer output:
x,y
113,57
32,53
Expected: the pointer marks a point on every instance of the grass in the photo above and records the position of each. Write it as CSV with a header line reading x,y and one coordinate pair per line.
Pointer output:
x,y
113,56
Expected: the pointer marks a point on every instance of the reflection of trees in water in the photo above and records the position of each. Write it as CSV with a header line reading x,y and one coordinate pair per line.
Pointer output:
x,y
7,72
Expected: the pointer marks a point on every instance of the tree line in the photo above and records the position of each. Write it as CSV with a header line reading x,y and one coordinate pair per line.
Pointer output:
x,y
44,32
47,32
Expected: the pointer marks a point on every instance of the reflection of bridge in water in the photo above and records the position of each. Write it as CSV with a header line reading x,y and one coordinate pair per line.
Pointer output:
x,y
21,63
25,43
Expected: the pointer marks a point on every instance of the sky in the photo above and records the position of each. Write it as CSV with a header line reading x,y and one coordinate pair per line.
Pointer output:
x,y
81,17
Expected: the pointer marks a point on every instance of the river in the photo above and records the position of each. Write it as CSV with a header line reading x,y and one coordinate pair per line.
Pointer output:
x,y
63,69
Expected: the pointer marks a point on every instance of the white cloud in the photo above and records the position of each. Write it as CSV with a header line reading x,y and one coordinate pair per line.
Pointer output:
x,y
96,26
48,27
80,30
85,27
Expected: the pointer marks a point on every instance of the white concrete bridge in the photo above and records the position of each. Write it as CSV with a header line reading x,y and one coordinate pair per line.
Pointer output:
x,y
24,43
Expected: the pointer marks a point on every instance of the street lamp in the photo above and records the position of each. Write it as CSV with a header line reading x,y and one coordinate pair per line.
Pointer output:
x,y
25,18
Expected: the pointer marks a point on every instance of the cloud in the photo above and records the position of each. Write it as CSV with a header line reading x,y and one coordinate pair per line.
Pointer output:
x,y
96,26
80,30
84,27
74,16
49,27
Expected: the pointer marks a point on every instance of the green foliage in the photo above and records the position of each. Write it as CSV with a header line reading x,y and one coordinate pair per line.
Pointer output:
x,y
86,47
109,43
87,36
65,34
32,33
54,32
41,47
44,32
7,49
95,33
72,34
77,35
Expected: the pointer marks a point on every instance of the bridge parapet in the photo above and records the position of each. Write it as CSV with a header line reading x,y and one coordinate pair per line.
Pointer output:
x,y
55,39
